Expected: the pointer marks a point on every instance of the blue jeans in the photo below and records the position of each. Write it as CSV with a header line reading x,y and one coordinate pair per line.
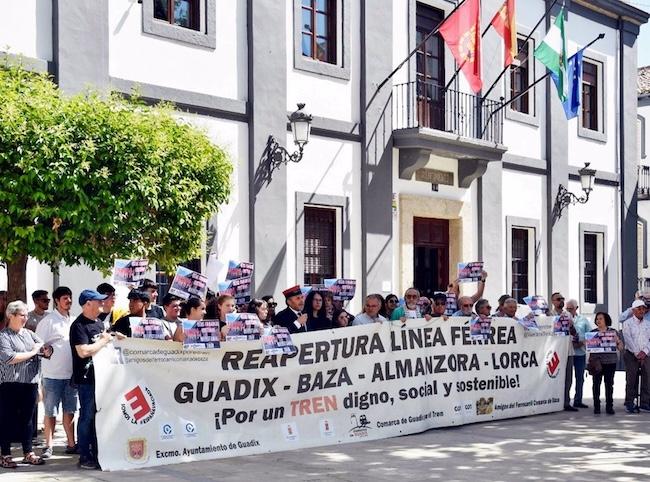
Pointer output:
x,y
579,363
86,434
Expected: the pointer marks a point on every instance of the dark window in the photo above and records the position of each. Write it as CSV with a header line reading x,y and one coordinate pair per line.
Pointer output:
x,y
430,68
164,280
519,80
589,96
591,268
184,13
320,244
520,264
319,30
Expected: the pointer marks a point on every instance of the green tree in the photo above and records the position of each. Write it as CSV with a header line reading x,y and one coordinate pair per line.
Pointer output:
x,y
91,178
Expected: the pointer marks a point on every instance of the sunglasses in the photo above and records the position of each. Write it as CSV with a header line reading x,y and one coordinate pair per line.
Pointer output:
x,y
272,305
391,301
441,303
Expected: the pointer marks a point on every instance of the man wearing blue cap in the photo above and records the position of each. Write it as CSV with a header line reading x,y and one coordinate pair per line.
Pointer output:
x,y
87,337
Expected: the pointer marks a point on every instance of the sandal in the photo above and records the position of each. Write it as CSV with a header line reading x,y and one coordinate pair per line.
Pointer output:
x,y
6,462
33,459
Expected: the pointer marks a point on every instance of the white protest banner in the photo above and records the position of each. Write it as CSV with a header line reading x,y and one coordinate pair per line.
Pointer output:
x,y
129,272
159,404
468,272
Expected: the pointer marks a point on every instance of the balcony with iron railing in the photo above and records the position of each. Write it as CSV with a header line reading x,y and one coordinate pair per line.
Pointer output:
x,y
429,119
428,105
643,186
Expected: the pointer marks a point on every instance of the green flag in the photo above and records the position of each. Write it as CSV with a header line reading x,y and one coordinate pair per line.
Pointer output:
x,y
552,53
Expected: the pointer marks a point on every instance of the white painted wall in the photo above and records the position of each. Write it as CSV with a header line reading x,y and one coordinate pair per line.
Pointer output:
x,y
145,58
602,156
26,28
525,139
601,209
232,227
325,96
524,196
329,167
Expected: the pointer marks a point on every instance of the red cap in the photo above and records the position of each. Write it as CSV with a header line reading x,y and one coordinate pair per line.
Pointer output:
x,y
293,291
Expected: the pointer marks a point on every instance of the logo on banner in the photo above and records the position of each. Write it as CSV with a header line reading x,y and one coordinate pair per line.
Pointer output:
x,y
137,450
359,426
166,432
189,429
485,406
140,407
552,363
326,428
290,431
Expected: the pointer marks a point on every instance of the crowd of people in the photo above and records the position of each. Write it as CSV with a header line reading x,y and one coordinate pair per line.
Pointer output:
x,y
48,354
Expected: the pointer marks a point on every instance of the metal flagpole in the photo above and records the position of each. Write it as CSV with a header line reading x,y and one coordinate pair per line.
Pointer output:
x,y
505,69
504,105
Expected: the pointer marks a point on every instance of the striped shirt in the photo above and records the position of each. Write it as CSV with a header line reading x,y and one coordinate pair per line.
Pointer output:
x,y
12,343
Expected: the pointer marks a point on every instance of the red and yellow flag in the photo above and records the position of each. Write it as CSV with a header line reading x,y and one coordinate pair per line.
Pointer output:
x,y
462,34
506,26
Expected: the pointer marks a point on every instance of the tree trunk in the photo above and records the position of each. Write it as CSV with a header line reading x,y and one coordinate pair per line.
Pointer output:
x,y
16,279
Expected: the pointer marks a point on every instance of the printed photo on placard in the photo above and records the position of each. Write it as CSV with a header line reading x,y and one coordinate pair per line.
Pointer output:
x,y
341,289
537,304
237,270
601,341
148,328
470,272
243,327
240,289
529,322
188,283
561,324
480,327
129,272
278,342
202,334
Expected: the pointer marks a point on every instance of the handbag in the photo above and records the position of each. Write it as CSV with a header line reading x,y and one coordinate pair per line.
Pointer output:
x,y
594,366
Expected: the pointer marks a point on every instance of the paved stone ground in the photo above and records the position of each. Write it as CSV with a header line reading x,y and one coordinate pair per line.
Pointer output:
x,y
560,446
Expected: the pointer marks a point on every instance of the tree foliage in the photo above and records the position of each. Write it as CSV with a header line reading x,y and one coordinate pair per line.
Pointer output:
x,y
92,178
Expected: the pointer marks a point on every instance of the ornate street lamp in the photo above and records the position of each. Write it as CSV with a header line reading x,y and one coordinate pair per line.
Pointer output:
x,y
564,198
301,129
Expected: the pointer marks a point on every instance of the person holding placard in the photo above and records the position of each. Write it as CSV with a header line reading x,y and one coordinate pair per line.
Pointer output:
x,y
225,305
410,308
602,365
138,305
171,322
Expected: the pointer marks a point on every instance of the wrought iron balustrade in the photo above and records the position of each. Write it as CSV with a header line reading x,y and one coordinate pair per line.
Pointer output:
x,y
424,104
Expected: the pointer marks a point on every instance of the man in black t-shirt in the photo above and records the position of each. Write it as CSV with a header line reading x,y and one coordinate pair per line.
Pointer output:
x,y
87,337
